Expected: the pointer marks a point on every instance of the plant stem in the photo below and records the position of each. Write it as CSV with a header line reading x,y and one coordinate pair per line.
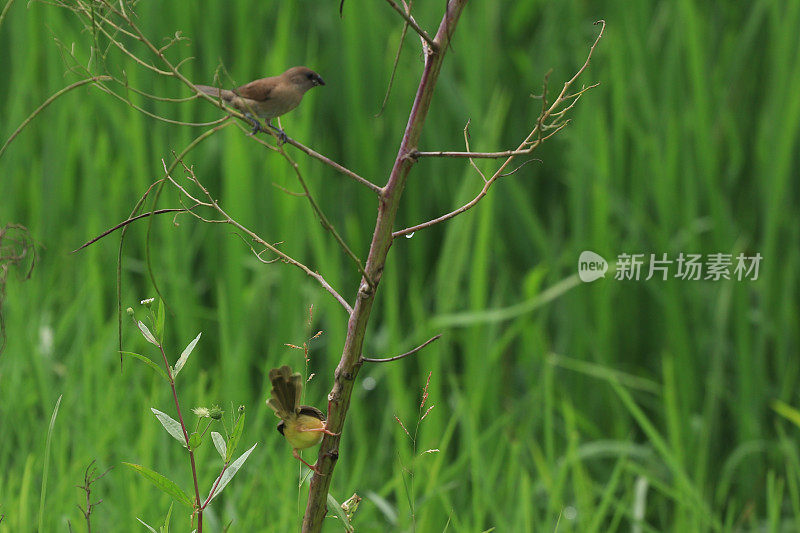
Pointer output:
x,y
350,362
198,503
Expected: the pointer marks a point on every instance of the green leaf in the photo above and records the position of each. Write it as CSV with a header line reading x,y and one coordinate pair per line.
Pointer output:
x,y
145,524
229,472
171,425
195,440
166,485
146,332
160,319
337,508
165,527
219,444
47,442
233,442
787,411
185,355
149,362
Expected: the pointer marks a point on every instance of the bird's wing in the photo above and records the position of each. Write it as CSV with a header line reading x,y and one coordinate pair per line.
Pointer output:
x,y
310,410
258,90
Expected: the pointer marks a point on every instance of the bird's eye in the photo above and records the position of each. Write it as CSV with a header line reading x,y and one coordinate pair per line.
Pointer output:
x,y
310,76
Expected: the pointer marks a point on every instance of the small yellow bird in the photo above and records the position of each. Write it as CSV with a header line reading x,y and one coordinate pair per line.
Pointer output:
x,y
302,425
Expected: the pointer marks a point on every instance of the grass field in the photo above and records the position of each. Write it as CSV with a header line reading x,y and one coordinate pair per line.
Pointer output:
x,y
559,406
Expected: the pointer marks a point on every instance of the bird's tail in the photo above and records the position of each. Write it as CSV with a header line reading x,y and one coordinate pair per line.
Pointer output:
x,y
216,92
286,390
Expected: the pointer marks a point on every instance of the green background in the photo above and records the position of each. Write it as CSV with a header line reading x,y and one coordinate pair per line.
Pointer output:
x,y
558,405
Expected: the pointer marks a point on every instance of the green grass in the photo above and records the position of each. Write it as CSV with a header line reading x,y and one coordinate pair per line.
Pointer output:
x,y
610,406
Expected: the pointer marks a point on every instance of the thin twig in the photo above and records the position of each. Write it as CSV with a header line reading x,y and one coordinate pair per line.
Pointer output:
x,y
411,22
324,220
90,477
466,143
396,61
125,223
200,138
283,256
396,357
519,167
478,198
336,166
528,145
49,101
316,155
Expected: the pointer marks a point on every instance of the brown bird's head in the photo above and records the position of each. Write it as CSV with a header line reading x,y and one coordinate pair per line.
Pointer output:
x,y
303,78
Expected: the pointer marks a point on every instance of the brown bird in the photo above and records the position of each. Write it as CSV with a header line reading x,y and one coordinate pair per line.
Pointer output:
x,y
302,425
268,97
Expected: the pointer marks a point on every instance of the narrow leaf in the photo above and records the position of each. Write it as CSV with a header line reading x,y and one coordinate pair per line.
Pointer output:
x,y
786,411
146,332
47,442
165,527
171,425
219,444
236,434
231,471
149,362
337,508
146,525
185,355
166,485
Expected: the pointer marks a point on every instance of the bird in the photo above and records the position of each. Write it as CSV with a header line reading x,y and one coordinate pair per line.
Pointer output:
x,y
268,97
302,425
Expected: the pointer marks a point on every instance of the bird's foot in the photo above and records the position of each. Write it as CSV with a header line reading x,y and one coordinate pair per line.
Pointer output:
x,y
256,124
282,137
321,430
314,467
329,432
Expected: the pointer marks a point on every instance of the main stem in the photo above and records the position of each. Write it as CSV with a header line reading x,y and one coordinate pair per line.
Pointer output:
x,y
350,363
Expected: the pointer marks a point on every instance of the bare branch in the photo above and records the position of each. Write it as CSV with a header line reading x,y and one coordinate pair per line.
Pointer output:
x,y
316,155
413,23
553,113
336,166
255,237
474,155
481,194
156,97
396,357
323,219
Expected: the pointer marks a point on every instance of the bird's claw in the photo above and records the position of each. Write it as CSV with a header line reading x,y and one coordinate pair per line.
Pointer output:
x,y
256,124
282,137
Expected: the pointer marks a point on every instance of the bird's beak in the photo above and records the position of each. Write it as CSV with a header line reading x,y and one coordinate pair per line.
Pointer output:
x,y
318,81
